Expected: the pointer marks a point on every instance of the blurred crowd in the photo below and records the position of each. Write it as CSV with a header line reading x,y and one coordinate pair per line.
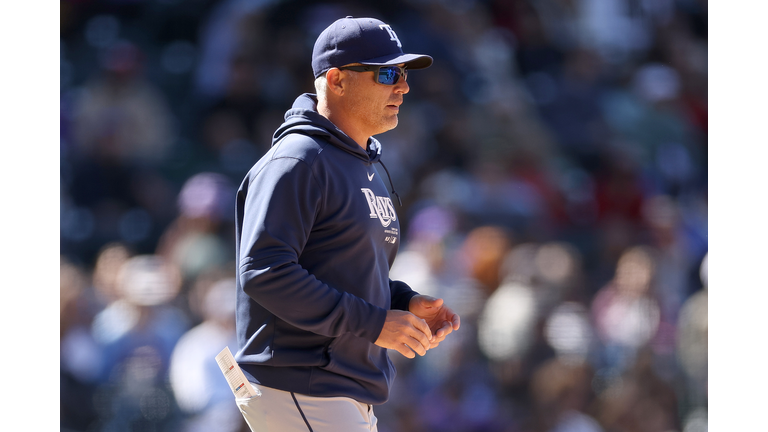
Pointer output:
x,y
553,169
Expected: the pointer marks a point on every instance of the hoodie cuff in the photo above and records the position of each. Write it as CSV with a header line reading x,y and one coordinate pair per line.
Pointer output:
x,y
373,324
401,295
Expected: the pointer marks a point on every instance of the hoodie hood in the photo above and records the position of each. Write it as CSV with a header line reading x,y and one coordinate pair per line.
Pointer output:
x,y
304,119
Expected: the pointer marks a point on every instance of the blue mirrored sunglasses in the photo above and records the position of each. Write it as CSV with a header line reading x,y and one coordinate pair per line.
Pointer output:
x,y
387,75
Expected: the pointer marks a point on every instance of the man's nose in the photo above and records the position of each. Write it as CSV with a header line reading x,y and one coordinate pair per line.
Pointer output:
x,y
402,87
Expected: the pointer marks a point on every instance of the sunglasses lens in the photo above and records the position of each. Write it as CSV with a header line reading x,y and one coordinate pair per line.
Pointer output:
x,y
390,75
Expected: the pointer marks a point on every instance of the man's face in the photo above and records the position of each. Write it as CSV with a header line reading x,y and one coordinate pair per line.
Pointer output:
x,y
374,106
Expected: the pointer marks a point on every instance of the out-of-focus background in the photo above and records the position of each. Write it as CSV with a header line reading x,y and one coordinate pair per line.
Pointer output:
x,y
553,166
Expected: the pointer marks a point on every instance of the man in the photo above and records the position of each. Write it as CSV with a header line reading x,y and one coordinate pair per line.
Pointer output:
x,y
317,233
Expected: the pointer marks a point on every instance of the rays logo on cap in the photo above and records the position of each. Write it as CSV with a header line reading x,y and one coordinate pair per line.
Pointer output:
x,y
392,35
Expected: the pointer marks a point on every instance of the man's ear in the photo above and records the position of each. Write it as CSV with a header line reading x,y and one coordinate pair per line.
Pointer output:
x,y
336,81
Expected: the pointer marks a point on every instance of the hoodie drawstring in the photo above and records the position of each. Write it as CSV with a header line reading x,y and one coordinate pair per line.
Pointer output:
x,y
390,183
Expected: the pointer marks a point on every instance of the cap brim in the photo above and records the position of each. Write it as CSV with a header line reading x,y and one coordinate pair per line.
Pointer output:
x,y
412,61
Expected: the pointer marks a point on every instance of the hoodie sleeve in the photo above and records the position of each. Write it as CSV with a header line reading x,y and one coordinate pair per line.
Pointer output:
x,y
279,208
401,294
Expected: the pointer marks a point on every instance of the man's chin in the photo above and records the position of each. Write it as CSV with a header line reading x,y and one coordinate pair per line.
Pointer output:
x,y
392,123
388,126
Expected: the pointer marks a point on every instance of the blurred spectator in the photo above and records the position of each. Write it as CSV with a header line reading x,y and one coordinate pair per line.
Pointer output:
x,y
231,127
109,260
80,358
661,140
199,387
73,283
510,328
692,342
562,394
568,330
225,32
638,400
464,400
483,251
122,132
568,100
507,322
196,240
422,260
626,312
559,270
536,49
662,216
120,117
136,333
82,298
618,191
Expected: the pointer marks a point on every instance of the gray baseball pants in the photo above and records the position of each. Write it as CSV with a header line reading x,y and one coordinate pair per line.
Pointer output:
x,y
280,411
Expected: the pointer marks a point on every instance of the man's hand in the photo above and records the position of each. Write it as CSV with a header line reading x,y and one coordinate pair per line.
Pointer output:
x,y
405,333
440,318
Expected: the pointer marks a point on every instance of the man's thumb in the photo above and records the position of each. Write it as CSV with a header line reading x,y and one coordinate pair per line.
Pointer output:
x,y
433,302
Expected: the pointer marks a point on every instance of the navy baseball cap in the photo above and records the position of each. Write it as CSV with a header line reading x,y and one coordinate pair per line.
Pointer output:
x,y
361,40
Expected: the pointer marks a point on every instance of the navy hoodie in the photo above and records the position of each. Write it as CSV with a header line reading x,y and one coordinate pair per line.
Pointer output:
x,y
316,234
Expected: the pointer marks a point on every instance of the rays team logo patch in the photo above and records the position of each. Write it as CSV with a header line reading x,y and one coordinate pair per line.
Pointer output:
x,y
381,207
